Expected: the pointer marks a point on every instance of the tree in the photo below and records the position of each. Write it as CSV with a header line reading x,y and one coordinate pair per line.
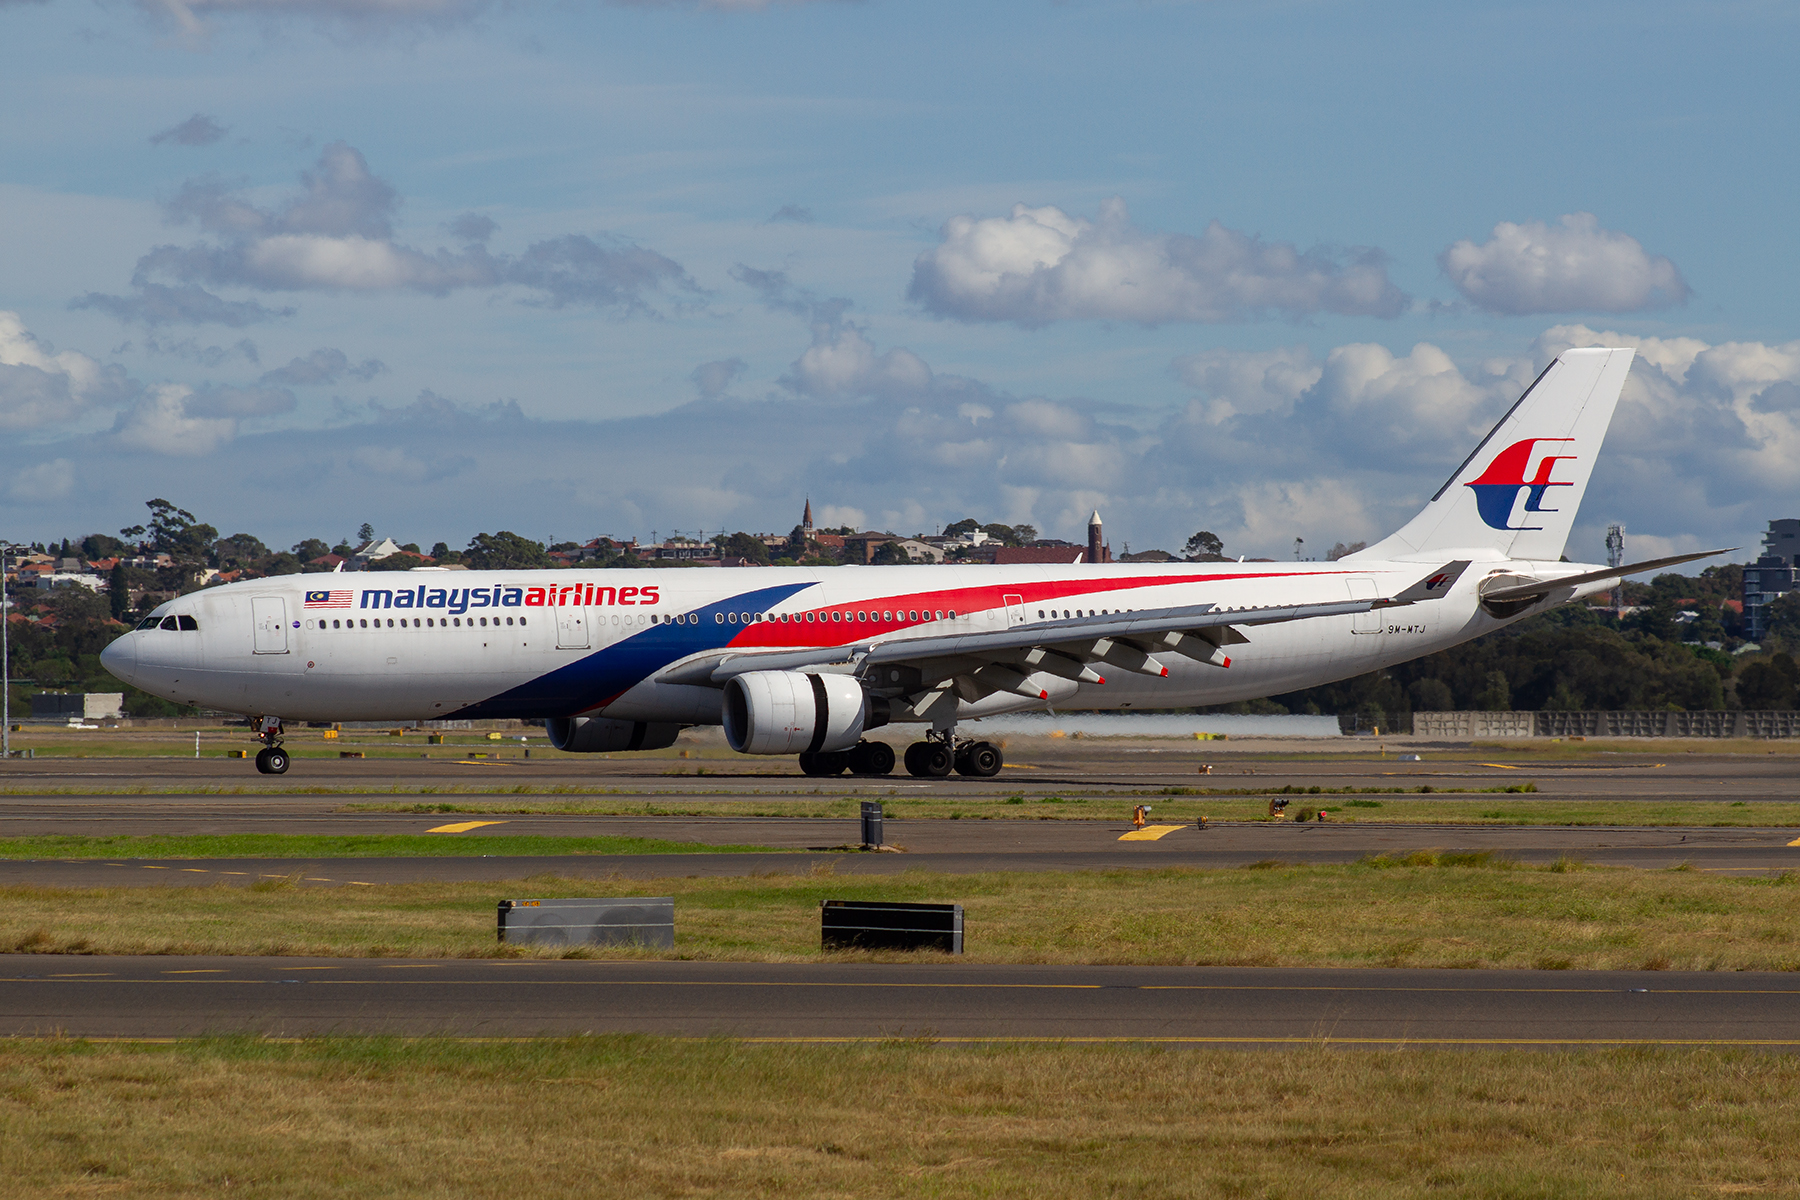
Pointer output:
x,y
365,534
98,545
959,528
1769,683
119,592
439,549
310,549
1497,695
890,554
1340,550
742,545
1782,618
175,532
1204,546
240,549
504,550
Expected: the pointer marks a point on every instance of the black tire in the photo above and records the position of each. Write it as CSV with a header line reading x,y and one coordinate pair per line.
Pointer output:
x,y
834,762
929,760
810,764
872,758
272,760
981,760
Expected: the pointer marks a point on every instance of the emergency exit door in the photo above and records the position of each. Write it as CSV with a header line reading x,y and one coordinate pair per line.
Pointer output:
x,y
269,615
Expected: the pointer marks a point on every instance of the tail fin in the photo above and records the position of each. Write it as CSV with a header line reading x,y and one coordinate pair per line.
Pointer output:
x,y
1519,491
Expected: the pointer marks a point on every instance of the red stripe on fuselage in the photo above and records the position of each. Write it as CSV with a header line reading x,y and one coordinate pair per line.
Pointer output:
x,y
822,631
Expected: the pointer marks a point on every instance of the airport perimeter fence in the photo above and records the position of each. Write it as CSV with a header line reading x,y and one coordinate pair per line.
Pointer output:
x,y
1467,726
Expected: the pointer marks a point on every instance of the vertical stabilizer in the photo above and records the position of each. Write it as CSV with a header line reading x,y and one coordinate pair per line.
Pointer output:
x,y
1519,491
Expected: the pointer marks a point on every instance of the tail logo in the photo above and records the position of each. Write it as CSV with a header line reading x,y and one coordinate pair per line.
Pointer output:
x,y
1499,486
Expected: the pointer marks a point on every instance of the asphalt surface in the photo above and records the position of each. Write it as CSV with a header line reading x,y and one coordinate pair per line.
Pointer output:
x,y
1690,770
171,997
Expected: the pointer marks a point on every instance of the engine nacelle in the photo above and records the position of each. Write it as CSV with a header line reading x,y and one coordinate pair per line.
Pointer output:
x,y
596,735
790,712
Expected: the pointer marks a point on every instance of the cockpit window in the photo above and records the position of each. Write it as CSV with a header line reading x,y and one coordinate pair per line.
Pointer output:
x,y
148,623
170,623
188,622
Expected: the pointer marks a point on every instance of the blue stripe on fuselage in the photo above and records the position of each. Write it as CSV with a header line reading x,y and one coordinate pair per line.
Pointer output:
x,y
599,676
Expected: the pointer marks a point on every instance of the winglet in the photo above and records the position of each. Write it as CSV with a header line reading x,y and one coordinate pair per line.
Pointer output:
x,y
1432,587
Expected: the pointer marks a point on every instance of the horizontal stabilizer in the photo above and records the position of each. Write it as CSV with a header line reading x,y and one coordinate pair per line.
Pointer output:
x,y
1523,591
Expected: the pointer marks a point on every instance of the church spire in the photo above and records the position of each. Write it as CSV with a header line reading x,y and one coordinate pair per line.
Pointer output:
x,y
806,521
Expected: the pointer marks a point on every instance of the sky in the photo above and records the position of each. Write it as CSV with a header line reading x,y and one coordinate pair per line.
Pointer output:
x,y
633,268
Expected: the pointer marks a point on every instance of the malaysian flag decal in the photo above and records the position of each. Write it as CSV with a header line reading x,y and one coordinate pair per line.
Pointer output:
x,y
328,599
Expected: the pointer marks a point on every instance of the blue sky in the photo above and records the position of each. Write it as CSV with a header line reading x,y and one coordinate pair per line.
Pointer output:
x,y
1267,269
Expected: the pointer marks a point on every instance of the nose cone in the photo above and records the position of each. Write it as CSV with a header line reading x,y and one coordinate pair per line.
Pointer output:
x,y
120,658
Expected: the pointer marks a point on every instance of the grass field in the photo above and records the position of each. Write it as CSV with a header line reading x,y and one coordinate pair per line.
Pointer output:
x,y
307,845
1183,806
635,1117
1424,911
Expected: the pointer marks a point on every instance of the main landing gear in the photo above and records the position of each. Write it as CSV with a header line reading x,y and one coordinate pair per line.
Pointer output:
x,y
940,754
864,758
934,758
271,759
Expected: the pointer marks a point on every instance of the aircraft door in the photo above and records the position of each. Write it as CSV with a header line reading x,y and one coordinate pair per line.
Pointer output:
x,y
571,629
269,616
1362,587
1015,610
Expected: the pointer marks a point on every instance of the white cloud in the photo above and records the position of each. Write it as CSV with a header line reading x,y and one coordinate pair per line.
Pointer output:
x,y
42,483
1250,380
1039,265
1572,266
1342,447
39,386
336,234
161,422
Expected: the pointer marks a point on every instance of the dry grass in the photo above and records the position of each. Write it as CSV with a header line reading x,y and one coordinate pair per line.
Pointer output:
x,y
636,1117
1425,911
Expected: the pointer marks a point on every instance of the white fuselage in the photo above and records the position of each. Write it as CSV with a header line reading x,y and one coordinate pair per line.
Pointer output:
x,y
433,644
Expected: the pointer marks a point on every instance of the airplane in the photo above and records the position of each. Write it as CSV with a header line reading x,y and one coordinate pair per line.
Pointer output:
x,y
805,662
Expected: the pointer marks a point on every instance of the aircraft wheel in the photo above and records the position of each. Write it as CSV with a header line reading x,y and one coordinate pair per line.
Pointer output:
x,y
982,760
929,760
272,760
871,758
813,764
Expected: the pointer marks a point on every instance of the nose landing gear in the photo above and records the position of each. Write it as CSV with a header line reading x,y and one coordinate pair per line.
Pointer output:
x,y
271,759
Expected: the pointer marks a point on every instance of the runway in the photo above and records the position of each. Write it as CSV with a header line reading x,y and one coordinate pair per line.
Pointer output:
x,y
946,1001
1071,766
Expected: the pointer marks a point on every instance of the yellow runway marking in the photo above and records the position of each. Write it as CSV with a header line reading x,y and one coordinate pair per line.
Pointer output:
x,y
463,826
1795,842
1021,767
196,870
1501,766
234,872
207,971
1150,833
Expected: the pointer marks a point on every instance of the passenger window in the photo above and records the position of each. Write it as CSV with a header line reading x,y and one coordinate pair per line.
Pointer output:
x,y
170,623
188,623
521,620
334,624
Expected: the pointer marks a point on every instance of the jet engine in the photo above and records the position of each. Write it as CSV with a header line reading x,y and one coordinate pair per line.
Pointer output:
x,y
595,735
791,712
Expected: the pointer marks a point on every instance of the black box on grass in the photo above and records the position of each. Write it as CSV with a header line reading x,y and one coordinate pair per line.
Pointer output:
x,y
877,925
630,920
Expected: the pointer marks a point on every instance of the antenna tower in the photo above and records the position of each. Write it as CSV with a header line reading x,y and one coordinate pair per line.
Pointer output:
x,y
1615,557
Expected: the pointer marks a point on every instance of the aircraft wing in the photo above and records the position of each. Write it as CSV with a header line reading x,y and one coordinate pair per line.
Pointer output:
x,y
1076,648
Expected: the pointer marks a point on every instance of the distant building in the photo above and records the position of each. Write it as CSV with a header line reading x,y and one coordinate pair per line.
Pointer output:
x,y
76,706
1008,556
1775,573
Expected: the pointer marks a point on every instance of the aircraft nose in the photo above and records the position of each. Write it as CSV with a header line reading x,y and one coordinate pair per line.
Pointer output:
x,y
120,658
